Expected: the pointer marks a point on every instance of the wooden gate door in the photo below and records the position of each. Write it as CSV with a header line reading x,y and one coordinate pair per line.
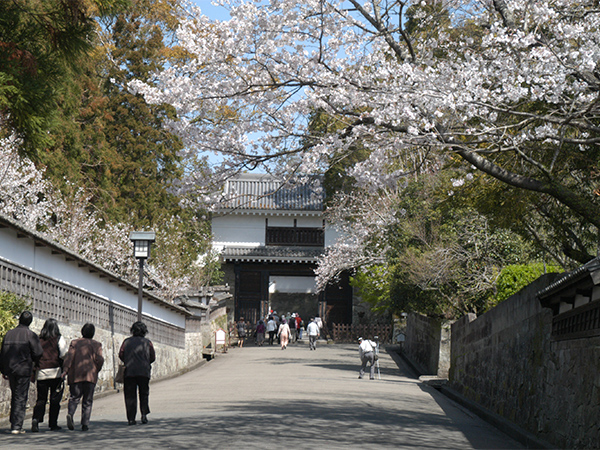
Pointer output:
x,y
249,293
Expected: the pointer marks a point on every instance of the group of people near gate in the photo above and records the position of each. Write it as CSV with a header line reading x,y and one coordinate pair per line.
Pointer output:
x,y
290,330
284,329
48,361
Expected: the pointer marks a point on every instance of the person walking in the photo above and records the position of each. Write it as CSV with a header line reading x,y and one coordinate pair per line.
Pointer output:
x,y
277,320
293,331
21,349
137,353
284,334
271,329
241,331
83,362
49,376
366,351
313,333
260,333
298,326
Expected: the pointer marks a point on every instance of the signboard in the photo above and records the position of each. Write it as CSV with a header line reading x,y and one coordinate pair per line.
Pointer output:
x,y
220,337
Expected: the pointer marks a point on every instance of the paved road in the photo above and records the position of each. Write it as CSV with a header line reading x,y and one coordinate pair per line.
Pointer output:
x,y
264,397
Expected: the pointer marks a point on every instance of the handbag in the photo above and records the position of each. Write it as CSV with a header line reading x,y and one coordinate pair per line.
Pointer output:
x,y
120,375
61,386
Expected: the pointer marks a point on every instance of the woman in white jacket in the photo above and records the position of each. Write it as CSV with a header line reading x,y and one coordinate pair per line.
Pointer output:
x,y
284,334
48,376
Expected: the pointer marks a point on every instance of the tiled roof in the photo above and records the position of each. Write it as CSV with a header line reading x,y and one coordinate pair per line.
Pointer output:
x,y
264,192
272,254
570,278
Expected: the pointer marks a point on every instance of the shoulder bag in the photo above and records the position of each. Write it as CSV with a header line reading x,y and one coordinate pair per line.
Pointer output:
x,y
120,375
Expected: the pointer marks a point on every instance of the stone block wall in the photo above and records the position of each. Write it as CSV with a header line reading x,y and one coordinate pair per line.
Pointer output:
x,y
427,344
506,361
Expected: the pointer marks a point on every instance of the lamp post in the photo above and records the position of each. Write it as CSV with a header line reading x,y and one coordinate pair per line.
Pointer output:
x,y
141,250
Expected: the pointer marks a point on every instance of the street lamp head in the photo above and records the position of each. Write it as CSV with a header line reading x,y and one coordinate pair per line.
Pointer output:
x,y
141,250
141,243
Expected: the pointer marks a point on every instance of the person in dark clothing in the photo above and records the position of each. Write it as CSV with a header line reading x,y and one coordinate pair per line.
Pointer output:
x,y
21,349
83,362
260,333
241,330
48,376
271,329
293,330
137,353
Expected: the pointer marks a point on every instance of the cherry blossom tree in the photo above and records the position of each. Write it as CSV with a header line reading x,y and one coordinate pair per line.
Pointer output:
x,y
361,219
22,185
511,87
29,199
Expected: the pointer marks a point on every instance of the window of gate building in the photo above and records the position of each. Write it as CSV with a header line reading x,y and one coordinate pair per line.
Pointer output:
x,y
295,236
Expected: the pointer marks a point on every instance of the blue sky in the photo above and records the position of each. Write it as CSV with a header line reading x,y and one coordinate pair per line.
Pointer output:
x,y
214,12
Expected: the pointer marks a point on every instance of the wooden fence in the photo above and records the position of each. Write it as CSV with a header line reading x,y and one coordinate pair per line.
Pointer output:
x,y
69,304
350,333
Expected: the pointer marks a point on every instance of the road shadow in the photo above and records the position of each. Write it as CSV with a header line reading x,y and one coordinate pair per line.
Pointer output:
x,y
355,414
306,423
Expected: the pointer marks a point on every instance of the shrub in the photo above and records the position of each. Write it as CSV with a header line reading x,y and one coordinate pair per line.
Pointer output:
x,y
11,307
513,278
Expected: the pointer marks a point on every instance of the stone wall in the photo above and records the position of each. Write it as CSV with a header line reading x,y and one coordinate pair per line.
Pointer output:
x,y
506,361
427,344
229,279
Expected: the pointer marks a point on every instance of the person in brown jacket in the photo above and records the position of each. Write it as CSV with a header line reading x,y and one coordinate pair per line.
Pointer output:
x,y
82,364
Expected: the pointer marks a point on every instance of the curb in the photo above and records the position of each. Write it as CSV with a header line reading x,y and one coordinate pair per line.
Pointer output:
x,y
506,426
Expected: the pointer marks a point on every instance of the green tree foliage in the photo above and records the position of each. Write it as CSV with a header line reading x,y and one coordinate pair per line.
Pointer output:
x,y
445,257
110,141
554,229
11,306
373,284
89,131
40,44
515,277
145,164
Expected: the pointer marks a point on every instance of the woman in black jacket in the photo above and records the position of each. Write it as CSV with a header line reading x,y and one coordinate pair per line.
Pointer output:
x,y
137,353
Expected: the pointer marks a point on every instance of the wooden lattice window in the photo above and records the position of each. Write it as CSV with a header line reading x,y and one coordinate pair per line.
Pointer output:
x,y
580,322
295,236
